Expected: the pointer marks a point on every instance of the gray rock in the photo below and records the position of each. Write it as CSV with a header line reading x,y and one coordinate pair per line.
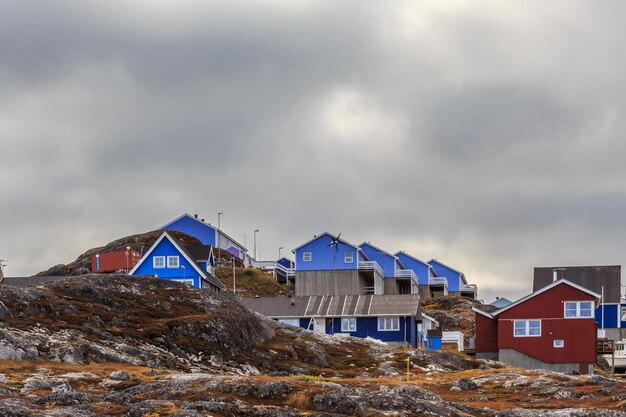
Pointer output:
x,y
65,398
273,389
119,376
466,384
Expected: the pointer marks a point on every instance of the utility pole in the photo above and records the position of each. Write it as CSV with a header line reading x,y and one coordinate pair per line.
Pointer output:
x,y
255,232
279,249
219,232
234,278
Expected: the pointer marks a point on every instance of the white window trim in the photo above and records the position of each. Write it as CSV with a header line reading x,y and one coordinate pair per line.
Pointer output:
x,y
348,255
188,281
304,256
527,321
556,345
154,265
395,320
169,264
578,316
347,320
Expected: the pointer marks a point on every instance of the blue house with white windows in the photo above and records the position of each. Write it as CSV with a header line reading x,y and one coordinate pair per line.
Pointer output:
x,y
329,265
192,265
455,280
393,319
398,279
209,235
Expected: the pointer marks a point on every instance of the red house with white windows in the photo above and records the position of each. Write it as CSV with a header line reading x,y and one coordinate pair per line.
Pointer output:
x,y
553,328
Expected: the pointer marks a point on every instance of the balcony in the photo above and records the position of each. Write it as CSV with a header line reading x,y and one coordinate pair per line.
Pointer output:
x,y
438,281
469,289
371,266
407,274
274,266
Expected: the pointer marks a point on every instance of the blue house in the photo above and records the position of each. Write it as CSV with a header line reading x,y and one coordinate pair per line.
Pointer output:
x,y
390,318
423,270
329,265
170,260
456,281
208,235
398,279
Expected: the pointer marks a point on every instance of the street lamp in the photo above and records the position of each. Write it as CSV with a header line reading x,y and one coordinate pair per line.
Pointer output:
x,y
255,232
127,250
219,231
279,249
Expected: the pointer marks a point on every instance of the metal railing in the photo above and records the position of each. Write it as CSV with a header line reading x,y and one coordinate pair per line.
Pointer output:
x,y
371,265
438,281
369,290
407,273
273,265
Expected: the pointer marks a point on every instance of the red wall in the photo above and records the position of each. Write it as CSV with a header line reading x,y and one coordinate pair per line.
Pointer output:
x,y
113,261
486,334
579,335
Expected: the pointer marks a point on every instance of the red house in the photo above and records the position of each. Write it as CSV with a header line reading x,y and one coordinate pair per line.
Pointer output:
x,y
553,328
114,261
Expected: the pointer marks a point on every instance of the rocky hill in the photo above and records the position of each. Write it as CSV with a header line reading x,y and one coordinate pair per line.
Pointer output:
x,y
140,242
110,345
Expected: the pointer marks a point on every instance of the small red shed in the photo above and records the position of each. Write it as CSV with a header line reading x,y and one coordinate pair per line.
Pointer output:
x,y
114,261
553,328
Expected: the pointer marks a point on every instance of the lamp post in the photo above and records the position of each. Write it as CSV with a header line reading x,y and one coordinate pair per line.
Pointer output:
x,y
127,250
279,249
255,232
219,232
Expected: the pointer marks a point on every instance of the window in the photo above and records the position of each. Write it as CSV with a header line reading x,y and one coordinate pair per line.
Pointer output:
x,y
172,262
578,309
387,324
348,257
623,308
348,324
291,322
158,262
185,281
307,256
527,328
559,343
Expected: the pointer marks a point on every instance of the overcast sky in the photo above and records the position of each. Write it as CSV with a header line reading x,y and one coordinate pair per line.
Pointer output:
x,y
487,134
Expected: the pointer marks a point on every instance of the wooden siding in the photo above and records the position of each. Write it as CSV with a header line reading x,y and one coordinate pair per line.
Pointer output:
x,y
579,335
421,269
204,233
590,277
324,257
454,278
386,261
486,334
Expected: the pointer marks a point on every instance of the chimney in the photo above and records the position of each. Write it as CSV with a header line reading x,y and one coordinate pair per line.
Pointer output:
x,y
554,275
195,215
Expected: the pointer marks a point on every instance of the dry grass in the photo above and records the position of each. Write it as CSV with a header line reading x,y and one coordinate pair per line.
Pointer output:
x,y
300,400
251,282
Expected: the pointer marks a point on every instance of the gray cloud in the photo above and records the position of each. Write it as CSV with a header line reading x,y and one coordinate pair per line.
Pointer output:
x,y
488,136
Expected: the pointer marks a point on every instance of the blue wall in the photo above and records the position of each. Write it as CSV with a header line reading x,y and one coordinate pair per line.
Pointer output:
x,y
368,326
454,278
325,257
287,263
193,227
420,268
166,248
611,318
385,260
434,343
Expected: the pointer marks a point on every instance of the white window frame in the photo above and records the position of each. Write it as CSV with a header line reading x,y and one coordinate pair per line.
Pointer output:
x,y
154,262
188,281
558,343
171,264
292,322
526,328
389,324
348,257
307,256
578,309
348,324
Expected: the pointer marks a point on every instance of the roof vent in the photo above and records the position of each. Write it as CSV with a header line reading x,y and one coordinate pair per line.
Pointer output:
x,y
195,215
202,220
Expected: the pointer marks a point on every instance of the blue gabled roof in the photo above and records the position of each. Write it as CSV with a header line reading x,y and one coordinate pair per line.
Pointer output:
x,y
461,274
332,237
205,224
